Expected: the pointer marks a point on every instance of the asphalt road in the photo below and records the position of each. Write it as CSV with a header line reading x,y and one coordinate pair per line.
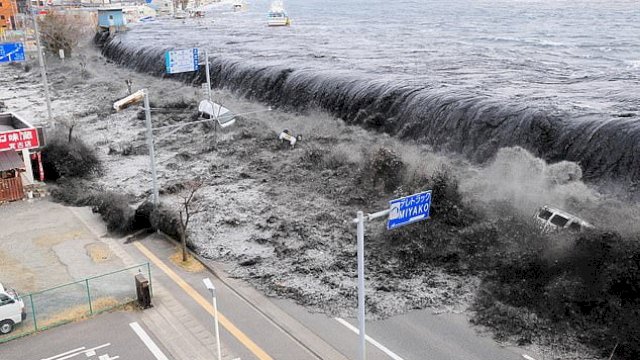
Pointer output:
x,y
418,335
259,329
106,337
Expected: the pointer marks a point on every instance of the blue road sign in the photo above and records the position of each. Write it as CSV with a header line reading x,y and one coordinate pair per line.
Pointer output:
x,y
11,52
409,209
179,61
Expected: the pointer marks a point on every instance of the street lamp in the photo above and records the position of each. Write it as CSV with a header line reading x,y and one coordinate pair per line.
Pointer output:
x,y
207,282
136,97
142,95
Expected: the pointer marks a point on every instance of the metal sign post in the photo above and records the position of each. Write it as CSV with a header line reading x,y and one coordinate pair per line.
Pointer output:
x,y
401,212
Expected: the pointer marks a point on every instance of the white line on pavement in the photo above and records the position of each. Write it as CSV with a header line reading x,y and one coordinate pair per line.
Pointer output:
x,y
155,350
527,357
384,349
78,351
65,353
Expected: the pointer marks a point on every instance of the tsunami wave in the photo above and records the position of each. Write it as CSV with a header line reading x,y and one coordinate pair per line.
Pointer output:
x,y
476,126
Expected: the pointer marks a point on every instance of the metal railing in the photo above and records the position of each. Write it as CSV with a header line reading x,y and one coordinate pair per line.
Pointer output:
x,y
77,300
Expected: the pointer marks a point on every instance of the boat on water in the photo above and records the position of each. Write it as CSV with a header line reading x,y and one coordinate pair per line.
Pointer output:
x,y
277,16
239,6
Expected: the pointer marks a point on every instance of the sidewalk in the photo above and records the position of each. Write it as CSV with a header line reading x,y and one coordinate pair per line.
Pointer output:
x,y
274,330
251,326
171,322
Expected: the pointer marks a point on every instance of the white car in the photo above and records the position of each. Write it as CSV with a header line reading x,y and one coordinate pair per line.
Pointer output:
x,y
550,219
12,310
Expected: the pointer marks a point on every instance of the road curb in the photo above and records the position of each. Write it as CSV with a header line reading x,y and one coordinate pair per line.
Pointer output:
x,y
159,318
317,346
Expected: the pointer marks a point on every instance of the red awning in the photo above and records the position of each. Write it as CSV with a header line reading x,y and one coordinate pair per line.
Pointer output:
x,y
10,160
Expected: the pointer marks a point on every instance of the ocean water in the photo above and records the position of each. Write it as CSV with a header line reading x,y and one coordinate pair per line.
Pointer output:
x,y
560,78
583,54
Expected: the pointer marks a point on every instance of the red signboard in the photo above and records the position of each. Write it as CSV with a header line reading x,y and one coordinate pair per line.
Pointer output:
x,y
21,139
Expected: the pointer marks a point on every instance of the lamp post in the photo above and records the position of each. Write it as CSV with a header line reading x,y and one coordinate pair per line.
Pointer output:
x,y
142,95
207,282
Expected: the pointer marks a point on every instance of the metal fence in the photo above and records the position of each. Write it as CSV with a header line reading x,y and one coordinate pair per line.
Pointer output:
x,y
77,300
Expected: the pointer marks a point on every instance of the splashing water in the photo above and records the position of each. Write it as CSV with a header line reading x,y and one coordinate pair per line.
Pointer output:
x,y
554,77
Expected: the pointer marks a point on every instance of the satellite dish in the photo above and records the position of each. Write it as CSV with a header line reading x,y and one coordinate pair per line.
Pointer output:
x,y
216,111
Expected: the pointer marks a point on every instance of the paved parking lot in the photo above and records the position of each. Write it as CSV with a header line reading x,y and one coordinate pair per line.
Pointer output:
x,y
110,336
44,244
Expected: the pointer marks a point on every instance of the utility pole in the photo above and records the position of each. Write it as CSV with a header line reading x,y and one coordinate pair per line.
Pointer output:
x,y
24,34
206,55
43,70
135,98
210,96
152,155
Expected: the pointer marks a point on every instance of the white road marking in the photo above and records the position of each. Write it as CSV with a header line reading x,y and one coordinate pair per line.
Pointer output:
x,y
155,350
527,357
65,353
73,353
107,357
384,349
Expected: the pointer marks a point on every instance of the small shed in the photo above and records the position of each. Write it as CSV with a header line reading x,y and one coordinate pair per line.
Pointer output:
x,y
18,139
11,165
111,18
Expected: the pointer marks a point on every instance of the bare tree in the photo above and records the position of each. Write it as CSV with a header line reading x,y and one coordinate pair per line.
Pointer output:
x,y
189,206
69,122
63,31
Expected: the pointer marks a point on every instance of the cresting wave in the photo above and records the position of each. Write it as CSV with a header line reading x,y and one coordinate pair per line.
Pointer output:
x,y
477,126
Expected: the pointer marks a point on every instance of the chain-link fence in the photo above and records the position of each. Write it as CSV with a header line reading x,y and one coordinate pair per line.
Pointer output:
x,y
73,301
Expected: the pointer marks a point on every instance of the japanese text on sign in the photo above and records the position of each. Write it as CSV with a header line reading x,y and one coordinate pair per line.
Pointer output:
x,y
19,139
178,61
11,52
409,209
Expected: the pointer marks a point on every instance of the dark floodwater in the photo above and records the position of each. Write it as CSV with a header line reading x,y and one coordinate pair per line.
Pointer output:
x,y
561,78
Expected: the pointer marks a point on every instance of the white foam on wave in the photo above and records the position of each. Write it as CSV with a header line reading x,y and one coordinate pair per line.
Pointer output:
x,y
633,64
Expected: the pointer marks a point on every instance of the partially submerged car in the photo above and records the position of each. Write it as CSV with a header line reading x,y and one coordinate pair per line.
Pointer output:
x,y
552,219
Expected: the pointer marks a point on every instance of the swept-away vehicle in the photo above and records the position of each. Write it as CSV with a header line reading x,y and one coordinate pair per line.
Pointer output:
x,y
12,309
552,219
